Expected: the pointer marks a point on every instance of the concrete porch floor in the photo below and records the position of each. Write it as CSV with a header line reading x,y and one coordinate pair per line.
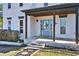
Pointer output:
x,y
56,41
59,43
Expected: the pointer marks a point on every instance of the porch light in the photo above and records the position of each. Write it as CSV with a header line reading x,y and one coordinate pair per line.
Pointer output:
x,y
36,20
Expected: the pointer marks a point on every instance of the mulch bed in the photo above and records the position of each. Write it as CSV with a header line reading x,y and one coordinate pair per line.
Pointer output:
x,y
26,52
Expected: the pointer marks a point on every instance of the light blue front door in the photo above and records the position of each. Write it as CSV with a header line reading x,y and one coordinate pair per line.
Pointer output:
x,y
46,28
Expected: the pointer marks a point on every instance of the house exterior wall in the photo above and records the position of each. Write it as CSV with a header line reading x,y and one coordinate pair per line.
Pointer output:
x,y
70,27
15,12
33,29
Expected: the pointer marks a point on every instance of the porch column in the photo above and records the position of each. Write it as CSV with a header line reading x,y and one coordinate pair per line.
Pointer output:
x,y
77,27
26,26
25,29
54,28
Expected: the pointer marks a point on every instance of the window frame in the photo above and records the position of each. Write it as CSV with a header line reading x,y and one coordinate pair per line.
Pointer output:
x,y
21,24
20,4
63,27
9,5
9,22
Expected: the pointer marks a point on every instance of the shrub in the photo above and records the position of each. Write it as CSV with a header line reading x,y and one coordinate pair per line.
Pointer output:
x,y
9,36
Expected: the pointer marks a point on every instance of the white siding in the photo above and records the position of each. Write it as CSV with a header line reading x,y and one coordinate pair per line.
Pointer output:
x,y
33,28
15,12
70,27
37,5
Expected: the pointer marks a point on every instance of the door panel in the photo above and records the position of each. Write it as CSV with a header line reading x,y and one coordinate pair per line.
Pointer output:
x,y
46,28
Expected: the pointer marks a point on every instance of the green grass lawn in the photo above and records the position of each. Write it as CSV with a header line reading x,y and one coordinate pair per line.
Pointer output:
x,y
55,52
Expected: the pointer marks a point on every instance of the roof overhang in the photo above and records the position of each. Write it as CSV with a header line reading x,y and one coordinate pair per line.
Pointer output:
x,y
53,10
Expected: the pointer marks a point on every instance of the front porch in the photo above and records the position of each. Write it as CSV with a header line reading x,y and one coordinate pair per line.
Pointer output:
x,y
35,16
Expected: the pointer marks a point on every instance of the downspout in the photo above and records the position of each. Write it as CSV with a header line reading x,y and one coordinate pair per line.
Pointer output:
x,y
54,28
76,25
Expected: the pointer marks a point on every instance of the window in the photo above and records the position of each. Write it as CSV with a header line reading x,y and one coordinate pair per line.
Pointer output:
x,y
63,25
9,5
21,29
46,23
45,4
21,23
9,23
21,4
21,26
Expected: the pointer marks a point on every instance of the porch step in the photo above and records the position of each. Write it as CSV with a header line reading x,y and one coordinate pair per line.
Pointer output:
x,y
36,45
31,39
10,43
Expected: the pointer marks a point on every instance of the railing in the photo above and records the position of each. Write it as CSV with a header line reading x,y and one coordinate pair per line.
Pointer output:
x,y
9,35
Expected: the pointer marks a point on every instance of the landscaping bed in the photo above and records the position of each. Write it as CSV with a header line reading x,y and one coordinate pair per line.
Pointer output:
x,y
26,52
6,35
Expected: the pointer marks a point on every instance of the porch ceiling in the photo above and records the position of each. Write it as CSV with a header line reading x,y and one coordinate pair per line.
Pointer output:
x,y
53,10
